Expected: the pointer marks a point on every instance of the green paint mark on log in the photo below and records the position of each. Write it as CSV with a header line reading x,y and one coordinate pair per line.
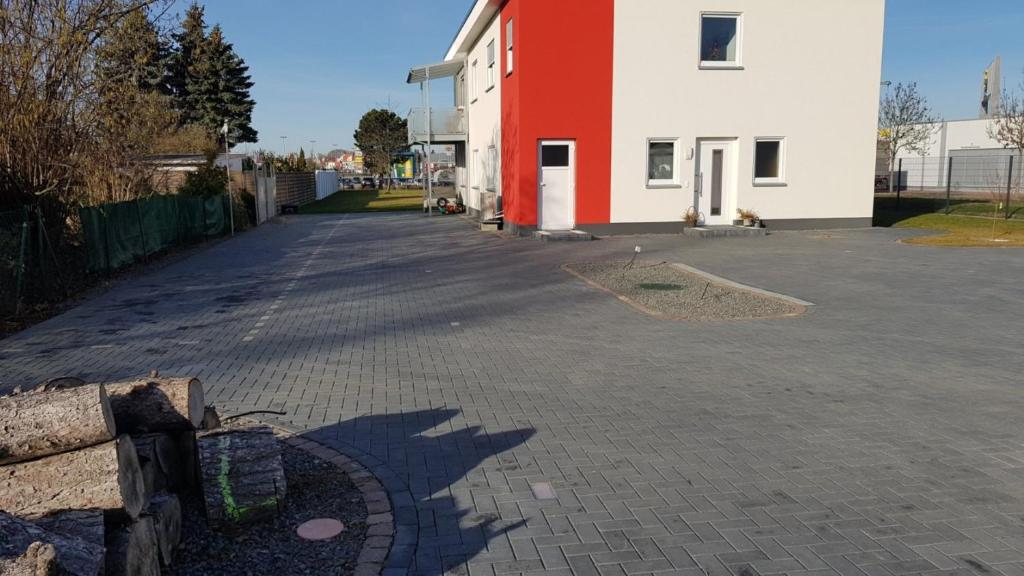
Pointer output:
x,y
233,511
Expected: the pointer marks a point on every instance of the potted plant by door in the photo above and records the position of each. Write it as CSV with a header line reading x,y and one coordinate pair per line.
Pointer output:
x,y
749,217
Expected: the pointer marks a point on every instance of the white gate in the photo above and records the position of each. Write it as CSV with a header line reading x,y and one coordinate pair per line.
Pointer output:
x,y
326,183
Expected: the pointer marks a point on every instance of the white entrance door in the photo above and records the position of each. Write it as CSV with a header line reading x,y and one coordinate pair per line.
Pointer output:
x,y
556,177
716,177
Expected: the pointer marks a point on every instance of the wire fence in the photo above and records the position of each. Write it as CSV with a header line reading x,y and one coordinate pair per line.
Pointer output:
x,y
993,179
30,270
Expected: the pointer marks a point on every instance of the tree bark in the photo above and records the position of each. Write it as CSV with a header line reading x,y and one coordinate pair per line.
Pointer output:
x,y
157,405
22,539
242,475
85,525
46,423
133,550
165,510
106,477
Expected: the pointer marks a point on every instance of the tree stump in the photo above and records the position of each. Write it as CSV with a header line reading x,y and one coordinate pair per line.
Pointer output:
x,y
106,477
165,510
46,423
133,550
22,540
242,475
157,405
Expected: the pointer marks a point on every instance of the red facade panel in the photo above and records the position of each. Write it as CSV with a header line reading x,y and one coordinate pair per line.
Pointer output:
x,y
560,88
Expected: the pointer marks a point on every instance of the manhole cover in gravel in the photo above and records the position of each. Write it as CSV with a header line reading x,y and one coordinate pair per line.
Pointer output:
x,y
665,290
320,529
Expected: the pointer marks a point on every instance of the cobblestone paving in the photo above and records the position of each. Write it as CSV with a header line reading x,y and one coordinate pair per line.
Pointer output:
x,y
524,422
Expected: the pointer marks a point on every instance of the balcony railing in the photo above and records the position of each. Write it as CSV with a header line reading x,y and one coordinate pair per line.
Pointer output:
x,y
446,125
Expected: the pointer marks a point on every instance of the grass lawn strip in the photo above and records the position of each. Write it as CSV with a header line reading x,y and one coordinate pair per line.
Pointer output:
x,y
965,231
354,201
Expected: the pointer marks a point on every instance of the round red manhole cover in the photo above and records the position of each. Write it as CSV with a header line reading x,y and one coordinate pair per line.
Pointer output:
x,y
320,529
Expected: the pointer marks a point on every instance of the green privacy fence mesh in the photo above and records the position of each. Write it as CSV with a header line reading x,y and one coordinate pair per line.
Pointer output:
x,y
119,234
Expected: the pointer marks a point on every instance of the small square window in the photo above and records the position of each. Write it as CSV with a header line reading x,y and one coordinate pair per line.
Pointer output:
x,y
720,40
554,156
662,162
769,161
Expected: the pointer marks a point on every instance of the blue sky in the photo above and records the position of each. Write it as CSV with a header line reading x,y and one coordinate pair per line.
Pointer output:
x,y
319,64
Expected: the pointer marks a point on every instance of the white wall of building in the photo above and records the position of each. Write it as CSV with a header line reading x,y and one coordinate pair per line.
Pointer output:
x,y
484,116
811,72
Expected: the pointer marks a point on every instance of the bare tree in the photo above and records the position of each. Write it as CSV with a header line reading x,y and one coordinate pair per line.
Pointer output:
x,y
905,123
1007,126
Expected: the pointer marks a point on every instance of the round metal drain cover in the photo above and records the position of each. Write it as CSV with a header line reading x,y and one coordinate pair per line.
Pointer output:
x,y
320,529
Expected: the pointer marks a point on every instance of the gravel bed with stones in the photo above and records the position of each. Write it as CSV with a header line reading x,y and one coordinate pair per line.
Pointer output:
x,y
669,291
316,489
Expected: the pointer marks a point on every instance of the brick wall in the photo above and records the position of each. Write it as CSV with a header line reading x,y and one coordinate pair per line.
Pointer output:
x,y
295,188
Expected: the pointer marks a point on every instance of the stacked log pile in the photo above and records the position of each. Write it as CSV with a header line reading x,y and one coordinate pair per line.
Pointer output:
x,y
91,475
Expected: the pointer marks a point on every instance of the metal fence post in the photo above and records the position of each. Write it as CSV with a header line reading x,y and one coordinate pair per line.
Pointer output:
x,y
21,263
899,182
949,182
1009,187
142,230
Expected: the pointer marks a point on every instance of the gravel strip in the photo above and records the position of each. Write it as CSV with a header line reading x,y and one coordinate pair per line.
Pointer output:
x,y
664,289
316,489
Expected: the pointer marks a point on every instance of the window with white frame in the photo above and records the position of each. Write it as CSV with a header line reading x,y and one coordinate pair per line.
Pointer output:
x,y
490,65
769,161
473,82
508,47
492,168
662,162
720,40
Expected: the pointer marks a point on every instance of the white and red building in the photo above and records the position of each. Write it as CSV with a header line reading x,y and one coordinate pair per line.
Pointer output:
x,y
618,116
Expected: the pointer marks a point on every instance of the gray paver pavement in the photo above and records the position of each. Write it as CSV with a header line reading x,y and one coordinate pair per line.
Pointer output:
x,y
879,434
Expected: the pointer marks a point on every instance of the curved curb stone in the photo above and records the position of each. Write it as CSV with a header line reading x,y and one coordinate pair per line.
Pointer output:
x,y
380,533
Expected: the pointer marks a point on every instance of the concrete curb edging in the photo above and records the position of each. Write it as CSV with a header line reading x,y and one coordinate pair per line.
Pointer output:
x,y
732,284
380,521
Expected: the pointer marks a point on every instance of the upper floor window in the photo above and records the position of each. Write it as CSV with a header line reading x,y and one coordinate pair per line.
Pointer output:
x,y
720,40
508,47
490,65
473,88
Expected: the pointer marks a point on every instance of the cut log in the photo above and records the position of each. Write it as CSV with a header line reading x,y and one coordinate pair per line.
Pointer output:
x,y
133,550
242,475
161,462
211,418
106,477
187,477
46,423
38,560
165,510
73,555
157,405
86,525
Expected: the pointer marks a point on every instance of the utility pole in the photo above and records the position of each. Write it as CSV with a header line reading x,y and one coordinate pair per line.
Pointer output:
x,y
227,168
